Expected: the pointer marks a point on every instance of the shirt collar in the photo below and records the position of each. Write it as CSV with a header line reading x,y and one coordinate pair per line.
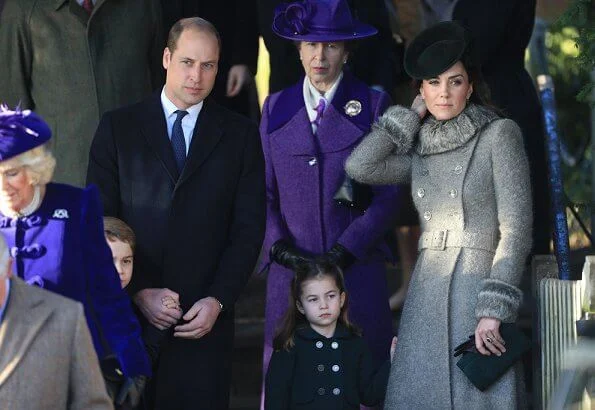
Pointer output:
x,y
312,96
170,108
5,303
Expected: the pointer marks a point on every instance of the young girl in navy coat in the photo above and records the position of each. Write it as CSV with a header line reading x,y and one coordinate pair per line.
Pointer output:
x,y
320,360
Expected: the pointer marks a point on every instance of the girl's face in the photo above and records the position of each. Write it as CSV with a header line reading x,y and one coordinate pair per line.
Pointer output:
x,y
123,260
321,302
446,95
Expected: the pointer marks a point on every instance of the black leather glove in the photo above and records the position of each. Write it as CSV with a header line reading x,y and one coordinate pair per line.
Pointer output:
x,y
288,255
340,256
131,392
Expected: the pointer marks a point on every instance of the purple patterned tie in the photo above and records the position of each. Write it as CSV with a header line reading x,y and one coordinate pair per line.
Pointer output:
x,y
319,110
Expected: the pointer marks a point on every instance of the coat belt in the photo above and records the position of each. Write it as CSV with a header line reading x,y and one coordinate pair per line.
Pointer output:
x,y
440,240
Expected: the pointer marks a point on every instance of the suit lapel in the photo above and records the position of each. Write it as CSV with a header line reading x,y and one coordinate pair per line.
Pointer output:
x,y
205,137
24,317
154,129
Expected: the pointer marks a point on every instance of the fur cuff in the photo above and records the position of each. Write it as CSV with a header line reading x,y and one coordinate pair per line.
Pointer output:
x,y
401,124
498,300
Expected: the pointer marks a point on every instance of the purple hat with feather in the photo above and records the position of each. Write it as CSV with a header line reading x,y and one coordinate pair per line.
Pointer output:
x,y
21,131
319,21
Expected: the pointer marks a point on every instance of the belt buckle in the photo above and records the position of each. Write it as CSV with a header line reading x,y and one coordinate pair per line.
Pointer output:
x,y
439,240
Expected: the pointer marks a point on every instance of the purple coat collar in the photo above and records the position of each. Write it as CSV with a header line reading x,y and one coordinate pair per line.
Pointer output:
x,y
290,100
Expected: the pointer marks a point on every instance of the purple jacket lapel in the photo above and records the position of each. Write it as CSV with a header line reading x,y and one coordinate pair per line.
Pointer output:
x,y
289,126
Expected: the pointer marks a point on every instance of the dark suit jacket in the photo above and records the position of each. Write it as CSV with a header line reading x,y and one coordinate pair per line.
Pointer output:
x,y
236,22
198,234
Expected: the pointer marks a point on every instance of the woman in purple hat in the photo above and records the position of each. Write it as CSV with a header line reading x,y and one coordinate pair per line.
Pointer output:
x,y
55,236
308,130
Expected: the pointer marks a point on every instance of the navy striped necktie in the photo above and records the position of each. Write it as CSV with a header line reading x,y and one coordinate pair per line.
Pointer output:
x,y
177,140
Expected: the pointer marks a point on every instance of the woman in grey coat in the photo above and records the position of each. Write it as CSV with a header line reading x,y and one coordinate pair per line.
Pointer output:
x,y
470,183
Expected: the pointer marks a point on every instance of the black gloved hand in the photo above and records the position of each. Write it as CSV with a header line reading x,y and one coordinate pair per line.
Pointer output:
x,y
131,392
340,256
288,255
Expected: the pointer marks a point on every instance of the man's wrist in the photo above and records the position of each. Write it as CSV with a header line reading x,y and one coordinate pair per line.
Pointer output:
x,y
221,307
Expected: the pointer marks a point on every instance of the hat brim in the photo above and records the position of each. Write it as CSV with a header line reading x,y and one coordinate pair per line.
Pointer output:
x,y
359,30
435,50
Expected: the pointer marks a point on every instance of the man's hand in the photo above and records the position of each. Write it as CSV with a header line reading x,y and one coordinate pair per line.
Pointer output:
x,y
201,317
238,75
159,313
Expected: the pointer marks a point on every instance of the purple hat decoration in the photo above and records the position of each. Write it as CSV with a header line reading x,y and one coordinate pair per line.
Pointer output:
x,y
21,131
319,21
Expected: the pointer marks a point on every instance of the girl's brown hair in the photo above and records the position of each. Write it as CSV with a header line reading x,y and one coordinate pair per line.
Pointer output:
x,y
293,318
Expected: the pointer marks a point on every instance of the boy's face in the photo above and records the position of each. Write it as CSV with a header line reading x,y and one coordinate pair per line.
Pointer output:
x,y
123,260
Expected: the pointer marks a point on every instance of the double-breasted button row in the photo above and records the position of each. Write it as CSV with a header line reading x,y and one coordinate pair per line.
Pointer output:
x,y
320,345
322,391
335,368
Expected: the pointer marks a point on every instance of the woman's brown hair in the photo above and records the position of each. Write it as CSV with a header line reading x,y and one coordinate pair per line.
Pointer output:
x,y
293,318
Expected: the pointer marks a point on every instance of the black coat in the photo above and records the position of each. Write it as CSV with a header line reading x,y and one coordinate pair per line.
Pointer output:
x,y
374,61
502,30
325,373
237,24
198,235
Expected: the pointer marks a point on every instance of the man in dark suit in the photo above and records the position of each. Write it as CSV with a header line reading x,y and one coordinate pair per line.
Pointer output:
x,y
188,176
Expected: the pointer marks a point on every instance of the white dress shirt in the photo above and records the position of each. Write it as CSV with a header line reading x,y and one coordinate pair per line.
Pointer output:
x,y
188,122
312,97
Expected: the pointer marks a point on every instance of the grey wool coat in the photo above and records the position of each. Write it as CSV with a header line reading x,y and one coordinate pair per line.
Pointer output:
x,y
470,182
47,359
70,67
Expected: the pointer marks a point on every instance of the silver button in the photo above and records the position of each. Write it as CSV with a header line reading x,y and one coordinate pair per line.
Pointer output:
x,y
312,162
335,345
458,169
421,192
427,215
452,193
319,344
320,367
336,391
336,368
425,172
321,391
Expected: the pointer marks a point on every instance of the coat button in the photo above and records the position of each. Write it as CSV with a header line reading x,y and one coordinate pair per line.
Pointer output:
x,y
452,193
427,215
335,345
458,169
319,345
320,367
336,368
336,391
312,162
421,192
321,391
425,172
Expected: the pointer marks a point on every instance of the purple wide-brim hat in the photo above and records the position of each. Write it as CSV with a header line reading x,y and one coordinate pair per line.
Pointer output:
x,y
319,21
21,131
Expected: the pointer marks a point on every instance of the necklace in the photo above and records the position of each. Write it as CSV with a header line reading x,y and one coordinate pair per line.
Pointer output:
x,y
29,209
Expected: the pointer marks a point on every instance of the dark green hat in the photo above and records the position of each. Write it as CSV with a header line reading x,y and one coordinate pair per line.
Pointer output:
x,y
435,49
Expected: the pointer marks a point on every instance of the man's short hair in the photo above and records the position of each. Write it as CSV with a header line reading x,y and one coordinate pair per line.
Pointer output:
x,y
4,256
116,230
194,23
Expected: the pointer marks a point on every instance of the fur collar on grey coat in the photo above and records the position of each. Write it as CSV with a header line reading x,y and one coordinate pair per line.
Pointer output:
x,y
440,136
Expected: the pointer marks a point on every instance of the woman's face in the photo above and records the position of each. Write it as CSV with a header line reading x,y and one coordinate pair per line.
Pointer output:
x,y
16,190
446,95
322,62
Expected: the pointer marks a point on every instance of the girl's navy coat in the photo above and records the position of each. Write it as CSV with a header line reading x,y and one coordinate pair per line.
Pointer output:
x,y
325,373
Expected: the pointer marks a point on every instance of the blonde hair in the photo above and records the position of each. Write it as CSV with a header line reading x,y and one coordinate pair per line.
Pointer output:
x,y
39,164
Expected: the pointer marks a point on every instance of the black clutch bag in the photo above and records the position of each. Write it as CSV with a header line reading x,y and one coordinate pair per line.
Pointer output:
x,y
353,194
483,371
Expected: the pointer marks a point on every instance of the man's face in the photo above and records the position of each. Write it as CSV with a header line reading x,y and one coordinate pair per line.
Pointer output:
x,y
191,68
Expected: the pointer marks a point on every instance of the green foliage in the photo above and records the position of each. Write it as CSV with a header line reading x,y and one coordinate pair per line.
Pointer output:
x,y
580,14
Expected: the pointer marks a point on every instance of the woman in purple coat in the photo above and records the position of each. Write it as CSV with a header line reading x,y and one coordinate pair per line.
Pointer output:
x,y
55,236
308,130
